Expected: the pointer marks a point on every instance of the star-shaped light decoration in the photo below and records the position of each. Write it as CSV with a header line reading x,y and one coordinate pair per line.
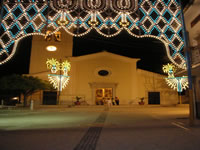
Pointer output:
x,y
60,80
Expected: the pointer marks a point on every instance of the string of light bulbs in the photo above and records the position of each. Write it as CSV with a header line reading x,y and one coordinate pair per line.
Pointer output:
x,y
158,19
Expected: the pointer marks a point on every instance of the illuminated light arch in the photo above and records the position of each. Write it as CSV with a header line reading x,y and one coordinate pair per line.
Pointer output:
x,y
140,18
15,44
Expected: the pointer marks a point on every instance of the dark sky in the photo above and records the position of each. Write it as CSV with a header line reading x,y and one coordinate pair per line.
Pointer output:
x,y
151,52
19,64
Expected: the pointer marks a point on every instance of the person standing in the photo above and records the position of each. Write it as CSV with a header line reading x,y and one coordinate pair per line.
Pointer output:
x,y
113,102
117,100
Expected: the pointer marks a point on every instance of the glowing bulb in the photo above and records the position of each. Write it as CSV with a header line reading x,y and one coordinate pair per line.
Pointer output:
x,y
51,48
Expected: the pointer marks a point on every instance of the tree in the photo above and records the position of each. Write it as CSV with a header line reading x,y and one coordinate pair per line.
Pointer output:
x,y
26,85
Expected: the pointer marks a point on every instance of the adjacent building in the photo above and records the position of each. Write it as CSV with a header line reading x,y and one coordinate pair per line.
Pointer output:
x,y
192,20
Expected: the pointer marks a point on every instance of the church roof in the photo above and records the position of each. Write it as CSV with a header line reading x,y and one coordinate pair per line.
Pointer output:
x,y
105,54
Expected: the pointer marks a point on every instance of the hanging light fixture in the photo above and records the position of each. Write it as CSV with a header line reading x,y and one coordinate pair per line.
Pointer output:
x,y
51,48
49,36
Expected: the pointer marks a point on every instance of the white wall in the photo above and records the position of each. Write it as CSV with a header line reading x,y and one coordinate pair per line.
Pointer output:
x,y
39,54
153,82
121,73
190,15
128,82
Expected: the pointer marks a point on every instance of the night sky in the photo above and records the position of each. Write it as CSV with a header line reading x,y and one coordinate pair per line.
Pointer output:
x,y
151,51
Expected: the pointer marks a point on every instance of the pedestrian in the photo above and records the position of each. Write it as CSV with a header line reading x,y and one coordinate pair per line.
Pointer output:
x,y
103,101
117,100
113,102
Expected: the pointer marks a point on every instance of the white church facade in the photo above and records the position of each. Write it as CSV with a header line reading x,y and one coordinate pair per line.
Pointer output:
x,y
98,76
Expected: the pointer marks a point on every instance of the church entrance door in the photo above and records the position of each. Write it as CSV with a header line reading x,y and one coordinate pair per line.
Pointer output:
x,y
102,95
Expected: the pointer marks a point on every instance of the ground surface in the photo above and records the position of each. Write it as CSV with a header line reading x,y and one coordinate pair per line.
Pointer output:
x,y
95,128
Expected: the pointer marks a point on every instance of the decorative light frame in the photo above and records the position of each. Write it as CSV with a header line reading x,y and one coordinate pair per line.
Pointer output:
x,y
61,79
176,83
159,19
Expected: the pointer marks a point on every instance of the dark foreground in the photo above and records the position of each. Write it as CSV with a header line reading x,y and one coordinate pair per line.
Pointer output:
x,y
94,128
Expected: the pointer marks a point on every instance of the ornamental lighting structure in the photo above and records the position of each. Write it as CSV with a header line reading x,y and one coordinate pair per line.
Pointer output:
x,y
59,73
52,36
157,19
176,83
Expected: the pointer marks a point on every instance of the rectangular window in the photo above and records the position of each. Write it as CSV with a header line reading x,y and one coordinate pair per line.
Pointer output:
x,y
195,21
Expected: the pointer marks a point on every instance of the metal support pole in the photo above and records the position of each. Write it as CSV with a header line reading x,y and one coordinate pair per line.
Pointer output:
x,y
60,83
189,73
179,98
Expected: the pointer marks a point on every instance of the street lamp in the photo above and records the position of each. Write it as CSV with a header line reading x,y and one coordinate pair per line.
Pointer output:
x,y
59,74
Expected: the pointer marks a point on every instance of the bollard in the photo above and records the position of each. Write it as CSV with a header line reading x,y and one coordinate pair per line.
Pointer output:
x,y
1,106
32,105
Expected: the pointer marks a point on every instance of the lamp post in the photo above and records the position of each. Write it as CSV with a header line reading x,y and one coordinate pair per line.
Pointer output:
x,y
61,79
60,83
189,73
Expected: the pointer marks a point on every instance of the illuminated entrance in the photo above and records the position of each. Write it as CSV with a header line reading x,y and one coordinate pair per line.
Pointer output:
x,y
103,94
102,91
159,19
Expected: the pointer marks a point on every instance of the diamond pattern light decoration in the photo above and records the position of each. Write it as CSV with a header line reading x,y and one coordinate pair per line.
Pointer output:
x,y
158,19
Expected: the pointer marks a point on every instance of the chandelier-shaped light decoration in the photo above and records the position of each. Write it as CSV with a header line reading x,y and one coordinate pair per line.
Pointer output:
x,y
176,83
64,5
159,19
59,77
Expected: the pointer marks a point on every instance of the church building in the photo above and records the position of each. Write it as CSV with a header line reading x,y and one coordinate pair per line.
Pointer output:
x,y
97,77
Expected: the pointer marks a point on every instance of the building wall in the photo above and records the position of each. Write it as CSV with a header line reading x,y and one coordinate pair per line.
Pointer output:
x,y
39,54
190,15
194,32
197,93
122,74
153,82
128,83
